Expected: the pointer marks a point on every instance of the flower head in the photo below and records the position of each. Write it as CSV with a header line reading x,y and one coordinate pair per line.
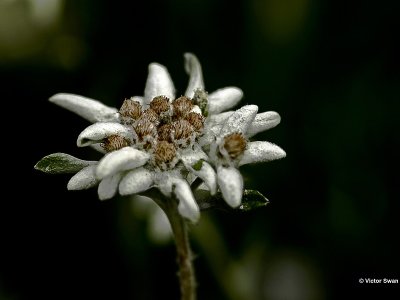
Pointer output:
x,y
231,148
162,141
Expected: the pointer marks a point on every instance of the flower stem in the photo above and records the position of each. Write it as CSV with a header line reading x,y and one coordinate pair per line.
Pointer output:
x,y
184,254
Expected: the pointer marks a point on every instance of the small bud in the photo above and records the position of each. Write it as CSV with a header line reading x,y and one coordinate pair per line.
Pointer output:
x,y
200,98
160,104
165,133
182,129
151,116
114,142
182,106
145,130
130,111
234,144
164,155
196,120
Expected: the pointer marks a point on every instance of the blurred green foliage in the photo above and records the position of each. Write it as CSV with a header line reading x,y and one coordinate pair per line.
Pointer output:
x,y
330,69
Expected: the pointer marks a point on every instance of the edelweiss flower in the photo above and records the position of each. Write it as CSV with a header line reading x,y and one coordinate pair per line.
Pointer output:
x,y
162,141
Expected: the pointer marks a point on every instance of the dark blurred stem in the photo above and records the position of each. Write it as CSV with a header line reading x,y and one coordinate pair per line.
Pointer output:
x,y
186,271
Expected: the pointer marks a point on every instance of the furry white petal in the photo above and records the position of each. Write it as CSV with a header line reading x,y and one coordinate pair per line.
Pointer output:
x,y
193,68
224,99
262,122
187,207
208,175
95,133
121,160
239,121
84,179
108,187
159,83
136,181
89,109
230,182
261,151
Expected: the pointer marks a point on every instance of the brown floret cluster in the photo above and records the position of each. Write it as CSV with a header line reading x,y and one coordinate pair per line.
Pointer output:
x,y
161,129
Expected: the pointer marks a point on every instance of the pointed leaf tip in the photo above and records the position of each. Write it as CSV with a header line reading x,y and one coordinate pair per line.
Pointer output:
x,y
252,199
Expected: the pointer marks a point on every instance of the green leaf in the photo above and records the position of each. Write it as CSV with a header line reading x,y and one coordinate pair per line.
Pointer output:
x,y
58,163
198,164
251,199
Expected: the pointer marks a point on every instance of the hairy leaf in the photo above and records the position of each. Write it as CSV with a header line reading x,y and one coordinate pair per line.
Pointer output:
x,y
251,199
58,163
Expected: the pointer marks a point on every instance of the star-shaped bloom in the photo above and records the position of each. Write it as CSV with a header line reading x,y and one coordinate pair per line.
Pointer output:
x,y
163,141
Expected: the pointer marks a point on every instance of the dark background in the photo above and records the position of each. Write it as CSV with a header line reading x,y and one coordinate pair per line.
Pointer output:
x,y
330,68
